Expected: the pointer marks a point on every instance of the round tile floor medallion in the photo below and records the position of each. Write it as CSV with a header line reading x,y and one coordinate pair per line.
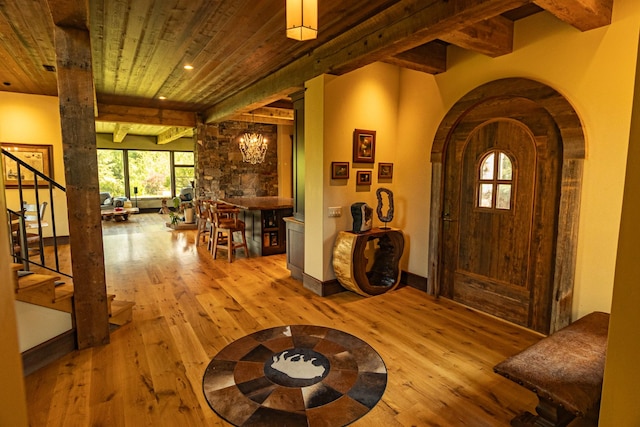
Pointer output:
x,y
297,375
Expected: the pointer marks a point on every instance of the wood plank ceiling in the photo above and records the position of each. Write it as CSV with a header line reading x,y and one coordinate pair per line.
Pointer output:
x,y
244,66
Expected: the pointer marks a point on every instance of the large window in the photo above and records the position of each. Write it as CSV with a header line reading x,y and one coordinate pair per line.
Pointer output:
x,y
183,169
111,171
150,172
144,173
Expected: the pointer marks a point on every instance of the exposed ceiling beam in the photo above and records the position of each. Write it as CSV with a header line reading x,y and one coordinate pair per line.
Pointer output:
x,y
429,58
286,103
585,15
120,132
270,112
492,37
246,117
69,13
149,116
172,134
406,25
268,90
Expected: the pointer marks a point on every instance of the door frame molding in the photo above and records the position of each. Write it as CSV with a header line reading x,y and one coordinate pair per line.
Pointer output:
x,y
573,155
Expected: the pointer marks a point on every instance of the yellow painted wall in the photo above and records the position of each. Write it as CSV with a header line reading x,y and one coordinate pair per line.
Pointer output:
x,y
35,119
594,70
364,99
315,259
621,389
419,115
285,159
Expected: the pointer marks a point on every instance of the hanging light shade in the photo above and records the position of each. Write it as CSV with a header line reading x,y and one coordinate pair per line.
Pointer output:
x,y
253,146
302,19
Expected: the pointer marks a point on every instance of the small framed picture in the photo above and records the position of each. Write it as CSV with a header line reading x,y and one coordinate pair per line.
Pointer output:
x,y
385,170
363,178
364,146
339,170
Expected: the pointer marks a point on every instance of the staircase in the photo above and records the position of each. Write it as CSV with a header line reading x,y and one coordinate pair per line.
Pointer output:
x,y
42,263
48,291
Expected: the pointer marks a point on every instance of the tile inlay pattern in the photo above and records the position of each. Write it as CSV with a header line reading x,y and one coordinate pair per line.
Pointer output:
x,y
298,375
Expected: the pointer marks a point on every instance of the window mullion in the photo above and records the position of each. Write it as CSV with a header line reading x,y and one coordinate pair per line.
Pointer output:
x,y
125,172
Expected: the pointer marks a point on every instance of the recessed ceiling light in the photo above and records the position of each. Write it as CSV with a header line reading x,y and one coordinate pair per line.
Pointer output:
x,y
162,97
188,67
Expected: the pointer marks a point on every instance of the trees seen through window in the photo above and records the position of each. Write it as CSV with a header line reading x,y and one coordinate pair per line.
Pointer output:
x,y
153,173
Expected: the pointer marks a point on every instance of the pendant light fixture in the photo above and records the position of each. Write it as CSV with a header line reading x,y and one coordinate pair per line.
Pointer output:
x,y
302,19
253,146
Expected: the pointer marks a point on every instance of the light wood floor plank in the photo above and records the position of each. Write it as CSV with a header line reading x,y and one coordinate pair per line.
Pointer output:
x,y
69,402
439,355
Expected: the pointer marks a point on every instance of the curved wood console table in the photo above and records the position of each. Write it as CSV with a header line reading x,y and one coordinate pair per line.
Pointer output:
x,y
350,261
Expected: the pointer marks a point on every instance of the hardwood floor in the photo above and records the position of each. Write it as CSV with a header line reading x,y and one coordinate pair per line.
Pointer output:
x,y
439,355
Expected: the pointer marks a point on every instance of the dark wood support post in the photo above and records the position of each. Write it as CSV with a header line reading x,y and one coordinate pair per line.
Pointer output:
x,y
76,97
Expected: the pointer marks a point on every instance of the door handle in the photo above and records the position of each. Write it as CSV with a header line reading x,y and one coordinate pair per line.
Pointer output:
x,y
446,217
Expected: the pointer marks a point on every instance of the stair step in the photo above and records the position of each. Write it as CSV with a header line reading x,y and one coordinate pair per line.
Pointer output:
x,y
42,292
121,312
15,268
36,280
63,291
51,292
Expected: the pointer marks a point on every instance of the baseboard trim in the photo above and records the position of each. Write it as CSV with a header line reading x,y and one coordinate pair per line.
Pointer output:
x,y
331,287
324,289
296,272
414,281
49,351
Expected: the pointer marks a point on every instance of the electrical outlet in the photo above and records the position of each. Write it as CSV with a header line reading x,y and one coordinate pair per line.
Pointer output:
x,y
335,211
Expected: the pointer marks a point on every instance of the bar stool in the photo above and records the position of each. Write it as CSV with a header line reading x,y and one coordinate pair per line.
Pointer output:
x,y
225,224
204,221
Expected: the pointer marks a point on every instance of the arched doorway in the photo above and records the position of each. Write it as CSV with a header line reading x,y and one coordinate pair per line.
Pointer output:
x,y
507,171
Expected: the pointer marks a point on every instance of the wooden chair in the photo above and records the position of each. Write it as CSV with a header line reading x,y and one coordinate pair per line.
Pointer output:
x,y
225,225
33,222
33,212
203,217
16,239
25,241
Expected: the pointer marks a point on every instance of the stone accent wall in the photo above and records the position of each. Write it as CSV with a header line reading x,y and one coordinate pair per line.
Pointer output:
x,y
220,171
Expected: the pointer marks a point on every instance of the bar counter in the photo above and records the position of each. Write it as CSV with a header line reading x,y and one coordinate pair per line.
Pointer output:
x,y
263,217
259,203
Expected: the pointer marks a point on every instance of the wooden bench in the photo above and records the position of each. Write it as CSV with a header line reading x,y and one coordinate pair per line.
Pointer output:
x,y
565,370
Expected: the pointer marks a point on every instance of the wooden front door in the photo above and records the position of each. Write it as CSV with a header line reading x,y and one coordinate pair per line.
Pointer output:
x,y
500,205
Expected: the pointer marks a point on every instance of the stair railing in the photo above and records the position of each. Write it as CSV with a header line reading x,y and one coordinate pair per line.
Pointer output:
x,y
40,180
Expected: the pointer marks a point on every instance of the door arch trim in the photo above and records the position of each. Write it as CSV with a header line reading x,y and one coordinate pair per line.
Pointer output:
x,y
573,154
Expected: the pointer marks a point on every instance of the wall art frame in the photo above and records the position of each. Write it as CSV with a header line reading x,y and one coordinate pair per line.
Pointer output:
x,y
364,146
385,170
363,178
339,170
39,157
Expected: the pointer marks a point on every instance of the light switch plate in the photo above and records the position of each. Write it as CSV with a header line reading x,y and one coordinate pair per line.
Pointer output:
x,y
335,211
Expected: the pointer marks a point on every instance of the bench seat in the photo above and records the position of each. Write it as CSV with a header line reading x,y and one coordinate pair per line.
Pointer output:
x,y
565,370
